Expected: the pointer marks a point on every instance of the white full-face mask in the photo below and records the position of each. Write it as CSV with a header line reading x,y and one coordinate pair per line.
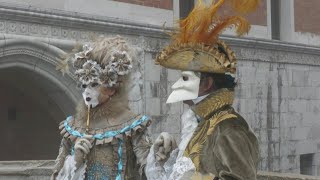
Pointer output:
x,y
91,94
186,88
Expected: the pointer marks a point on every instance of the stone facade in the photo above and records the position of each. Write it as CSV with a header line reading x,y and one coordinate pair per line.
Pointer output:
x,y
278,94
278,83
280,101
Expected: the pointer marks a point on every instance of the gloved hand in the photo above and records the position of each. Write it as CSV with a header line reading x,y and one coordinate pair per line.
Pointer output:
x,y
163,146
81,149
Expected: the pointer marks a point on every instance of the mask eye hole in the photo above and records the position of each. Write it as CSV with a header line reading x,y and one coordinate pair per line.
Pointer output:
x,y
94,84
84,86
185,78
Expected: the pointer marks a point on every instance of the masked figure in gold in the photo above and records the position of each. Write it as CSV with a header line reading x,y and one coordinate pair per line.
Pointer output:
x,y
216,142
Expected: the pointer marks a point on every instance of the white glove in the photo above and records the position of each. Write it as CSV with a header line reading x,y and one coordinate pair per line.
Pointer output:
x,y
81,149
163,146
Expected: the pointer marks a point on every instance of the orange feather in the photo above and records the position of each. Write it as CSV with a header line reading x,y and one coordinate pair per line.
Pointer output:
x,y
203,24
241,24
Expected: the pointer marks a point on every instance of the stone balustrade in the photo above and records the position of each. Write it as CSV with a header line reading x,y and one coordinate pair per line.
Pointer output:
x,y
42,169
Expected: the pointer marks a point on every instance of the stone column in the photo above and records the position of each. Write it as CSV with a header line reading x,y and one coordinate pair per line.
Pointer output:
x,y
286,20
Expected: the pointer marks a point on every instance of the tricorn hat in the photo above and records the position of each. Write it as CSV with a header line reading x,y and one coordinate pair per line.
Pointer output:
x,y
195,44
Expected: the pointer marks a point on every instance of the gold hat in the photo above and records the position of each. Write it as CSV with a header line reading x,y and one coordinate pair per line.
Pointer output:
x,y
195,45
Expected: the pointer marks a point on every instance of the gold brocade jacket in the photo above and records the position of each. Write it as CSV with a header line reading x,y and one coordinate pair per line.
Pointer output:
x,y
223,145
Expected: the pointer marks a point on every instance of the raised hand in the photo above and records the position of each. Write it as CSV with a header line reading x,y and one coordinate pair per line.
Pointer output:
x,y
81,149
163,146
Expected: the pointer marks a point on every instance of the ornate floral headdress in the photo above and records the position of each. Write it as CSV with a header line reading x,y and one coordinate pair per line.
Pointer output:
x,y
105,62
195,45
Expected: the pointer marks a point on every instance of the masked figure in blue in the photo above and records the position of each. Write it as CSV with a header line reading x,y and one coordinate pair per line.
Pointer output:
x,y
104,139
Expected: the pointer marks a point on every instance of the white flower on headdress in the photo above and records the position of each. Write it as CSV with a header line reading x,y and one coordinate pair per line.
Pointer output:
x,y
81,57
109,77
121,62
89,73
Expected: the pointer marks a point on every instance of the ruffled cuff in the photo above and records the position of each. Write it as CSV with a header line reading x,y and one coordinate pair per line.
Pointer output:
x,y
70,172
182,167
153,170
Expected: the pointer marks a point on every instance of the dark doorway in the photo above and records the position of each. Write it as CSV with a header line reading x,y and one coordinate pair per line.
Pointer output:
x,y
28,117
306,161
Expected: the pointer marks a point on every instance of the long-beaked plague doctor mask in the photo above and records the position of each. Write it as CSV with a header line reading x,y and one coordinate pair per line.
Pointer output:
x,y
186,88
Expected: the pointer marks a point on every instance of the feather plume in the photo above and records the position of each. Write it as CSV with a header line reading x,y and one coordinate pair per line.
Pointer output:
x,y
241,24
203,24
64,60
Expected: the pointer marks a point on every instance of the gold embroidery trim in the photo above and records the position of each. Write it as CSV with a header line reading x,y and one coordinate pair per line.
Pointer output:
x,y
214,102
198,176
195,146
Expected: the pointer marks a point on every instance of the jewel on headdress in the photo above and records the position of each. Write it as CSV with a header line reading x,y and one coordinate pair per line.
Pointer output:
x,y
109,77
121,62
81,57
89,73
